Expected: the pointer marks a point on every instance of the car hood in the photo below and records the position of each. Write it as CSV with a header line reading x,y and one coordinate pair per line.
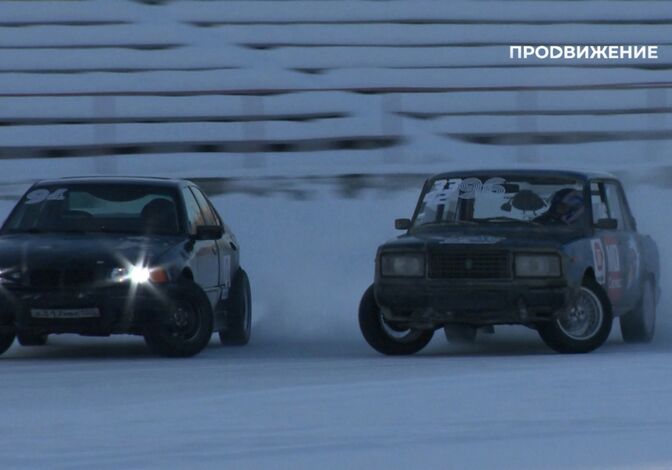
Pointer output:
x,y
54,250
485,237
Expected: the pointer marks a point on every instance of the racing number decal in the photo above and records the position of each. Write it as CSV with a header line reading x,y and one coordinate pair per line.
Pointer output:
x,y
599,261
614,273
633,263
468,188
39,195
471,186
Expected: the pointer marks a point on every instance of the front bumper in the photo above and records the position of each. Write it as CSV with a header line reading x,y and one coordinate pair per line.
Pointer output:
x,y
123,309
428,303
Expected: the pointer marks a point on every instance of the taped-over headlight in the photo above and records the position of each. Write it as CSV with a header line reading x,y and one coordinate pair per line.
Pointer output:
x,y
403,264
538,266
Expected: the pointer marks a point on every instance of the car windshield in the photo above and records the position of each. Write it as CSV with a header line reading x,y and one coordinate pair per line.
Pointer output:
x,y
495,199
85,208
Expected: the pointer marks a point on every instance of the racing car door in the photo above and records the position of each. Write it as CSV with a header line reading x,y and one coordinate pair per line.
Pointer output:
x,y
613,226
227,245
205,258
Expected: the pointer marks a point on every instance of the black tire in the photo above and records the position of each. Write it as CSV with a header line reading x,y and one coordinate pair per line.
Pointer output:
x,y
239,315
187,327
31,339
379,335
556,333
639,325
460,334
6,341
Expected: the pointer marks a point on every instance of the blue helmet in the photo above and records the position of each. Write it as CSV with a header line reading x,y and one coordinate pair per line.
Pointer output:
x,y
567,205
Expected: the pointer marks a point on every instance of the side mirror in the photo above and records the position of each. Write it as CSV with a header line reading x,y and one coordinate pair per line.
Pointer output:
x,y
402,224
606,224
209,232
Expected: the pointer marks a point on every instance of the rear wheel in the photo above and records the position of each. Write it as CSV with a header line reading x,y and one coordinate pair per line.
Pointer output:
x,y
583,326
239,324
185,330
639,325
386,338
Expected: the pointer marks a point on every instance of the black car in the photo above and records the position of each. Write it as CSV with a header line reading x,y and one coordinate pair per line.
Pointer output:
x,y
101,256
557,251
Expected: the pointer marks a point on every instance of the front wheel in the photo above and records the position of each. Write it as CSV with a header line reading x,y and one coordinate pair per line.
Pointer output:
x,y
639,325
388,338
6,340
31,339
185,330
583,326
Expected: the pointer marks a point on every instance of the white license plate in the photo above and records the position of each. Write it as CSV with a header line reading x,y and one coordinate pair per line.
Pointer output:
x,y
58,313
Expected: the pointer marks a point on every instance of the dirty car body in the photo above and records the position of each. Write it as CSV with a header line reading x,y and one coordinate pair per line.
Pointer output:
x,y
491,247
101,256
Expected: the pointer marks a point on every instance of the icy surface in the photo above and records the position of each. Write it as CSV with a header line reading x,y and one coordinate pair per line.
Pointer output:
x,y
308,392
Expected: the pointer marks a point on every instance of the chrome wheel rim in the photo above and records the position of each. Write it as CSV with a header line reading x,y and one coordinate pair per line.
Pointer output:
x,y
584,318
185,322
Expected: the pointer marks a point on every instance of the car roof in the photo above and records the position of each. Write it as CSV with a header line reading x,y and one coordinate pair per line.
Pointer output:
x,y
140,180
581,175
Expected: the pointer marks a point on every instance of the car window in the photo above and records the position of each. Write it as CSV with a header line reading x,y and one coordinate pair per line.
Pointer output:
x,y
79,207
614,204
599,203
208,214
502,199
194,215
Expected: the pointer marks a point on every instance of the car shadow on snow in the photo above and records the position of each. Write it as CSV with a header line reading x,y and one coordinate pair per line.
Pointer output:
x,y
506,342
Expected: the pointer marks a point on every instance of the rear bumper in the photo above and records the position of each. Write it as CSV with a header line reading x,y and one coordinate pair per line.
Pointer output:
x,y
122,309
433,303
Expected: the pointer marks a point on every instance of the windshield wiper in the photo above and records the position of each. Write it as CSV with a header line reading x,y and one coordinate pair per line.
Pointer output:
x,y
450,222
507,220
27,230
117,230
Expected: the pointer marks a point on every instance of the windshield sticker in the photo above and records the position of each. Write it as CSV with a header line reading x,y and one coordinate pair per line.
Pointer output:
x,y
470,187
40,195
598,261
475,240
441,191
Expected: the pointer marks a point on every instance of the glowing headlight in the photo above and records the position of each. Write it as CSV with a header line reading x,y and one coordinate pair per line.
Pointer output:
x,y
139,275
403,264
538,266
9,275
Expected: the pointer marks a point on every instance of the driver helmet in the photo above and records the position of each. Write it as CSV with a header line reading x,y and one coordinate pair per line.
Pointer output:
x,y
567,205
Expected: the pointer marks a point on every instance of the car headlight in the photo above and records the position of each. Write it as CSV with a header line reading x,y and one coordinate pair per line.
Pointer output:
x,y
139,275
403,264
529,265
9,275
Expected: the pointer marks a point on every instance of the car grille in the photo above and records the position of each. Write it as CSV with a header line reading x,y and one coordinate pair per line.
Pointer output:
x,y
55,278
466,265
